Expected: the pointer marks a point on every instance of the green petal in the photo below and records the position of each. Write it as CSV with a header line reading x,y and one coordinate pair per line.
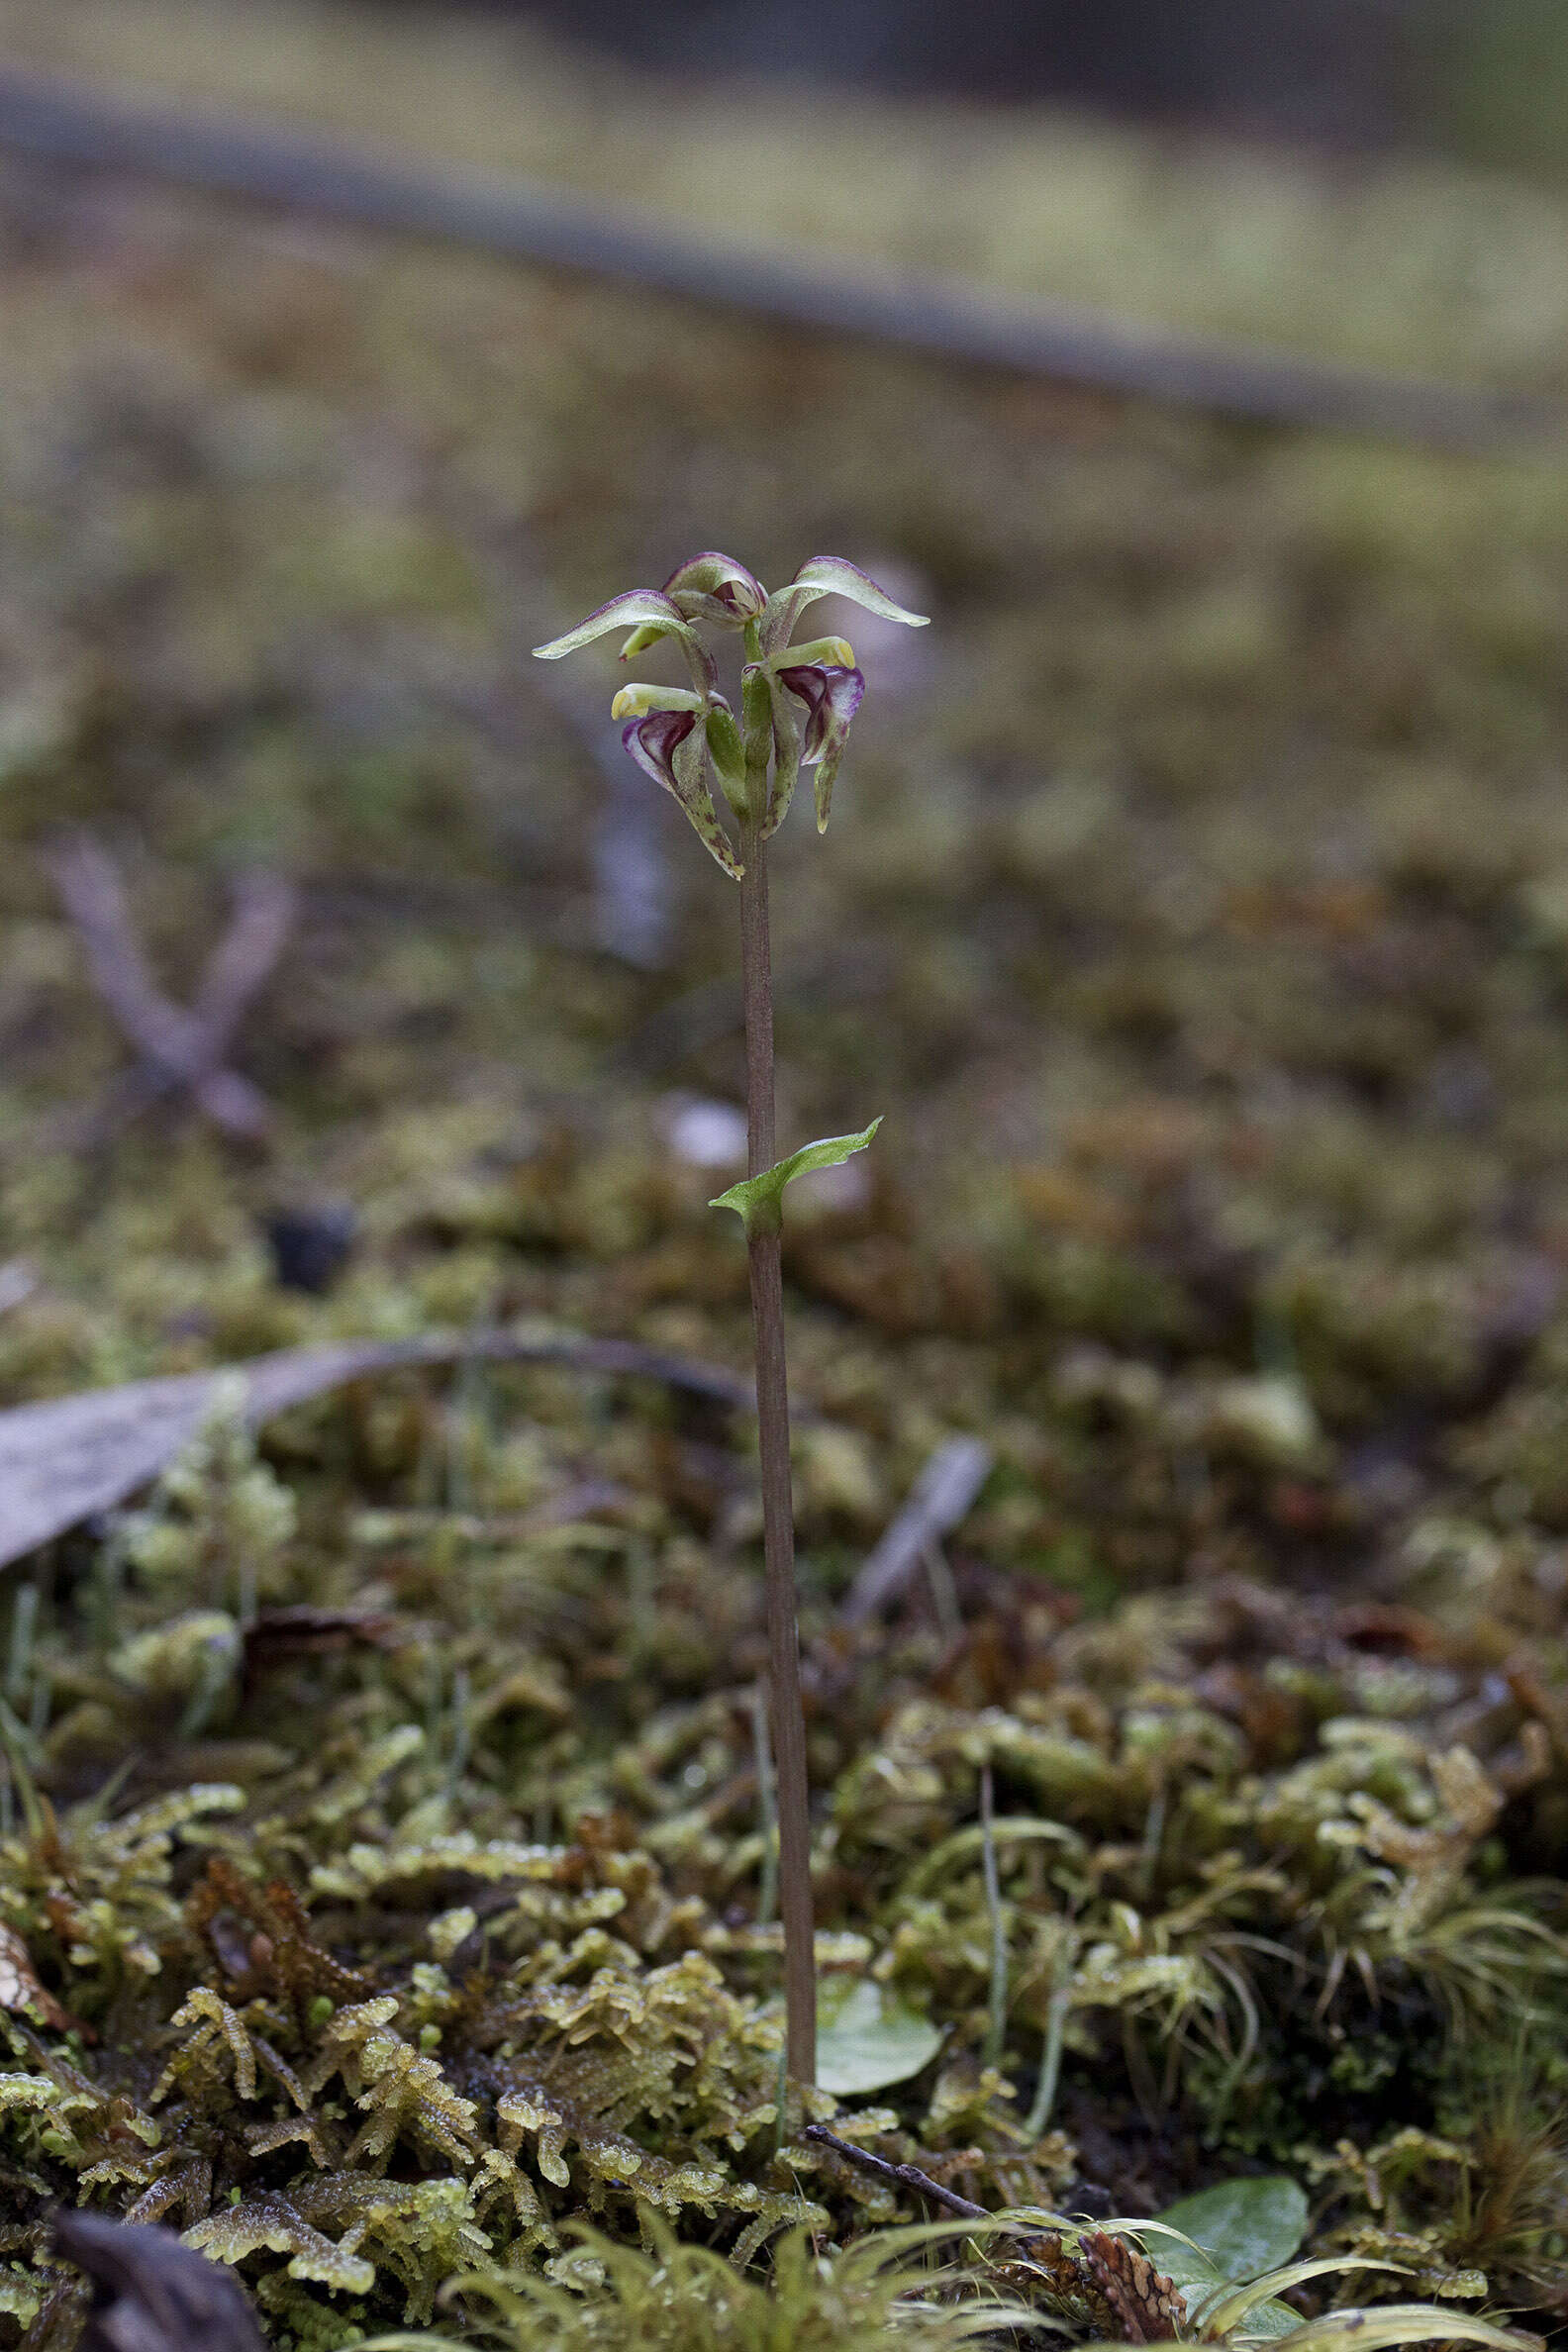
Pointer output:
x,y
827,776
836,650
755,1200
640,640
727,753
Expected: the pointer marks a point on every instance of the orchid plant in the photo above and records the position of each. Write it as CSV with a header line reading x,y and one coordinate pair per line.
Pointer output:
x,y
796,702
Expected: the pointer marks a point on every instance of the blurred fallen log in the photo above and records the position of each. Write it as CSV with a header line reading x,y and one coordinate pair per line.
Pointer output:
x,y
17,1282
272,164
941,1496
180,1053
68,1457
151,2292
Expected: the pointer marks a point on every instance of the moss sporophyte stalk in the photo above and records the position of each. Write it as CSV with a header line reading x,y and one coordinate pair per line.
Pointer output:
x,y
796,702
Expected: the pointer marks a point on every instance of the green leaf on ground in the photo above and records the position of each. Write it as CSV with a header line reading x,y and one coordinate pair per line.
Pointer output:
x,y
867,2038
1245,2227
1240,2231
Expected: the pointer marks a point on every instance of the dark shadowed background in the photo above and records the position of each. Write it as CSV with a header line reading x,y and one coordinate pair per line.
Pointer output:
x,y
1484,81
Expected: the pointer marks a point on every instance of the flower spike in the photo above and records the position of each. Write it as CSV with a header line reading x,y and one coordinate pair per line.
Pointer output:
x,y
797,701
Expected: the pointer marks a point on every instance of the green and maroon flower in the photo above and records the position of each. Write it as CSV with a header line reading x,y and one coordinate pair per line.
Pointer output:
x,y
796,700
669,732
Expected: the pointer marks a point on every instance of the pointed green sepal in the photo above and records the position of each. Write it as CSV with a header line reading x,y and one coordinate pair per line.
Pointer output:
x,y
645,610
757,1200
829,575
649,615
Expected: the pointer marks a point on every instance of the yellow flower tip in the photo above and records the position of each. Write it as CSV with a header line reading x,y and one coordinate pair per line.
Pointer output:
x,y
842,652
636,701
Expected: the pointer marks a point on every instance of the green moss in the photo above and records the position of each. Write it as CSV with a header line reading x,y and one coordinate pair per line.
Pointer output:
x,y
1209,875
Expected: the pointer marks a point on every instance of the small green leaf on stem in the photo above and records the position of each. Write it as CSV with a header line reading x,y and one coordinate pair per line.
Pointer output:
x,y
757,1199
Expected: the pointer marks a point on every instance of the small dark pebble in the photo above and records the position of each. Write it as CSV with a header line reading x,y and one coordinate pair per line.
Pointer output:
x,y
310,1246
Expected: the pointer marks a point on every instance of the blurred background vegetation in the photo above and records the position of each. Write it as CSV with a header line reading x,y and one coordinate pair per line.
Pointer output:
x,y
1195,908
1222,803
1485,83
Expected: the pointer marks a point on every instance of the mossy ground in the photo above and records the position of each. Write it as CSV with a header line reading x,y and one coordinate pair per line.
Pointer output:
x,y
1196,911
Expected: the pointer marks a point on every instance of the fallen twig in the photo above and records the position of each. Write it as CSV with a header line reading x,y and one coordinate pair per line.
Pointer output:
x,y
274,164
942,1494
179,1051
68,1457
900,2176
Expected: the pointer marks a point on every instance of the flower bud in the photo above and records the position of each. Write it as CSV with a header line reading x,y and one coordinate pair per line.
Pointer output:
x,y
728,753
716,588
636,701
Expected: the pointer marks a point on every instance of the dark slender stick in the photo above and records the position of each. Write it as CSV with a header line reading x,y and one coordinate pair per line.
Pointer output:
x,y
901,2176
180,1050
778,1510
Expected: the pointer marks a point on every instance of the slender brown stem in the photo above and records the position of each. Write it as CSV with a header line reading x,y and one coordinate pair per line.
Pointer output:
x,y
778,1513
